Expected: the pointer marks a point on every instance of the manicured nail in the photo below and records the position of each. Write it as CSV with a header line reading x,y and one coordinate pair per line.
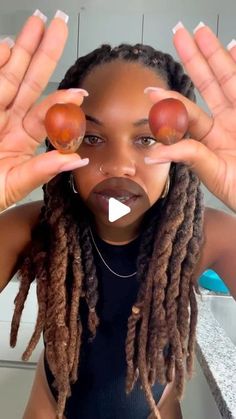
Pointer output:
x,y
40,15
9,41
177,27
231,44
153,89
62,15
6,209
199,26
83,92
148,160
74,165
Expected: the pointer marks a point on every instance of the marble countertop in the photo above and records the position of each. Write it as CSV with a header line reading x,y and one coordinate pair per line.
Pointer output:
x,y
216,354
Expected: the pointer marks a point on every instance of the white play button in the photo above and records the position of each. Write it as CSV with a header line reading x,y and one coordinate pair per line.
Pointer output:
x,y
117,209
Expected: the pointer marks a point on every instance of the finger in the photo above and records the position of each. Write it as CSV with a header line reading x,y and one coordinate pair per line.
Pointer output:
x,y
220,61
232,49
5,53
12,73
200,122
34,120
42,169
200,159
5,50
42,66
6,45
199,71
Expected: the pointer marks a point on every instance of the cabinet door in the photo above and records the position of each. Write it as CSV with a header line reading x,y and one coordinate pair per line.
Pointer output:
x,y
15,386
10,355
98,28
227,18
157,30
12,21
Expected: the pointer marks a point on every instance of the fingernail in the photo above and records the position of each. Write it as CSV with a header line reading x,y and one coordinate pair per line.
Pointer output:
x,y
62,15
231,44
74,165
148,160
177,27
199,26
9,41
40,15
83,92
6,209
153,89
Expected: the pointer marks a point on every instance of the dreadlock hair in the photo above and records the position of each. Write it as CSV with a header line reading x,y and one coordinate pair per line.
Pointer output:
x,y
60,258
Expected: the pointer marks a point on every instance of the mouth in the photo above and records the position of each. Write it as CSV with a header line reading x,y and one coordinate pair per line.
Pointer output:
x,y
124,199
123,196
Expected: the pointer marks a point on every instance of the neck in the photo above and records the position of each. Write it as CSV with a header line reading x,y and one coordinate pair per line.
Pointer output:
x,y
116,234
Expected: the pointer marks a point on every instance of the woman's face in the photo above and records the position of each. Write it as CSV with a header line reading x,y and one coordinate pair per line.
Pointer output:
x,y
118,138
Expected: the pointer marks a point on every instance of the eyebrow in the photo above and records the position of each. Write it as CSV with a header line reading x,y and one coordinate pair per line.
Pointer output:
x,y
142,121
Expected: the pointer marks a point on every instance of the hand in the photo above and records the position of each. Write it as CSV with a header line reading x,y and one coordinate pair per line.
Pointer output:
x,y
24,73
5,50
211,151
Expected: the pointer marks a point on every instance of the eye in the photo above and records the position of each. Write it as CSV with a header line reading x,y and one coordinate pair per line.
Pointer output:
x,y
146,141
91,140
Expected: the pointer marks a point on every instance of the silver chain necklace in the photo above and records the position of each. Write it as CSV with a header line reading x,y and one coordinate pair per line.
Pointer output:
x,y
121,276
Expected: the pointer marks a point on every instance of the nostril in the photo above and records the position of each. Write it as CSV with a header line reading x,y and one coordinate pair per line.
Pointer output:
x,y
116,170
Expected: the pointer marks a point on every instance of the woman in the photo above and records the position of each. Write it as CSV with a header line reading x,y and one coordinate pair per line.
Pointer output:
x,y
160,336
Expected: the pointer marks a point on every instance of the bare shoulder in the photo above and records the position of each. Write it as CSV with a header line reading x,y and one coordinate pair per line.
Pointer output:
x,y
16,225
220,232
22,216
219,242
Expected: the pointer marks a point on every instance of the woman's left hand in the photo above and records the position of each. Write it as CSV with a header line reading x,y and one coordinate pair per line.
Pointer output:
x,y
5,50
211,150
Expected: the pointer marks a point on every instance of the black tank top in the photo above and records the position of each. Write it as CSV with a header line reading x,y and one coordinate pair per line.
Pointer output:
x,y
99,392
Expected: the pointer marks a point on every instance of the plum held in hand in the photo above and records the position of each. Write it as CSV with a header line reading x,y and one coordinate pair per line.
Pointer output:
x,y
168,120
65,124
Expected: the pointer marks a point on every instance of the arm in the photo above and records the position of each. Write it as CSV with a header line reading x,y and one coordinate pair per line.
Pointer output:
x,y
221,233
16,225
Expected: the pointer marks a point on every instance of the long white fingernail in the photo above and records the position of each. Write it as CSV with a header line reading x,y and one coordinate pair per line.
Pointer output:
x,y
6,209
153,89
149,160
62,15
177,27
83,92
40,15
231,44
74,165
199,26
9,41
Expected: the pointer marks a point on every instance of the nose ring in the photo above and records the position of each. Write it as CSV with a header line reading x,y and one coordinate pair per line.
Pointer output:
x,y
100,170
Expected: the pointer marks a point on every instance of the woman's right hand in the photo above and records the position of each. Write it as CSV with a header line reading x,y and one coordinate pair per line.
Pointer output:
x,y
24,74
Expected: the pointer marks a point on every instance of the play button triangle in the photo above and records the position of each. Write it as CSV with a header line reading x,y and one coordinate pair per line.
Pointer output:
x,y
117,209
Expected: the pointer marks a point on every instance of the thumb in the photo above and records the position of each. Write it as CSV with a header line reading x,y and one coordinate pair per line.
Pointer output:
x,y
204,162
24,178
